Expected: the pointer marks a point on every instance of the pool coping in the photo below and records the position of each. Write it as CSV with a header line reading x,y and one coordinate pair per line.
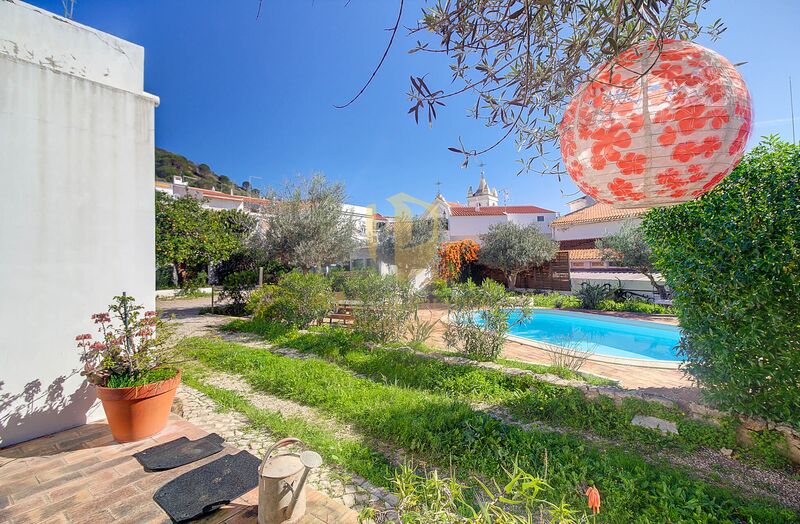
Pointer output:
x,y
593,357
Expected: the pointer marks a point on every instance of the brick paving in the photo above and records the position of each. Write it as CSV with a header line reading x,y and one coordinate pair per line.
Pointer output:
x,y
82,475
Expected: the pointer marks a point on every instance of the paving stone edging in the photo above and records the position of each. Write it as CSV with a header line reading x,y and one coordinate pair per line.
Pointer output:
x,y
347,488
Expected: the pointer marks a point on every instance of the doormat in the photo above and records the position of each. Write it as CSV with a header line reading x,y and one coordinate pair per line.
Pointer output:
x,y
208,487
178,452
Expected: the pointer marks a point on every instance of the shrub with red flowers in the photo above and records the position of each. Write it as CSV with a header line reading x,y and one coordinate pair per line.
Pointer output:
x,y
454,256
132,343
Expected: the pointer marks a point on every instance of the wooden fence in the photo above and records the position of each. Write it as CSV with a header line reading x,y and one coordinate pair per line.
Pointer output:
x,y
553,276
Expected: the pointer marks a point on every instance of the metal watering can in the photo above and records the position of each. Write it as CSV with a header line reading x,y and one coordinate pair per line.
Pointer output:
x,y
281,484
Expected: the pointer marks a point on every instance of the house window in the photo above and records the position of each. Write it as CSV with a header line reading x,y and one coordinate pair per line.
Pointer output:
x,y
540,218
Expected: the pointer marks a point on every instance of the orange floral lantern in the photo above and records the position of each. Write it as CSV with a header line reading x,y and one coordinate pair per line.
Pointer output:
x,y
656,126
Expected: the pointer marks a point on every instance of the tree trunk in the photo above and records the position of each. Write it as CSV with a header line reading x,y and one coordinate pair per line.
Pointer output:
x,y
512,281
662,290
182,273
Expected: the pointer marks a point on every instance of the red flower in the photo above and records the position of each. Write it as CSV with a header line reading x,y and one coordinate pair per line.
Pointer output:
x,y
594,499
710,145
663,116
606,140
623,190
635,123
567,145
575,170
697,173
690,118
719,117
667,138
716,179
85,336
670,178
684,151
632,164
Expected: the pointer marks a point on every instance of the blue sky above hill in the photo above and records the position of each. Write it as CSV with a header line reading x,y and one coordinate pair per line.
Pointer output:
x,y
255,98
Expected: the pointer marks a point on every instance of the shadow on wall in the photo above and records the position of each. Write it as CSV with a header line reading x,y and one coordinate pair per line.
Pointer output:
x,y
34,409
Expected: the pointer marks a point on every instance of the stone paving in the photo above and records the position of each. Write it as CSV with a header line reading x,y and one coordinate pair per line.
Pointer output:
x,y
347,488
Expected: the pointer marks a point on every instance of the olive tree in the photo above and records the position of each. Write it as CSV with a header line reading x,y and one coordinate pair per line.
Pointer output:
x,y
512,248
629,248
307,226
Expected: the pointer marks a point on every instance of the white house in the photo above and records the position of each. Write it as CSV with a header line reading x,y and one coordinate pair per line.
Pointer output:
x,y
483,209
579,230
76,162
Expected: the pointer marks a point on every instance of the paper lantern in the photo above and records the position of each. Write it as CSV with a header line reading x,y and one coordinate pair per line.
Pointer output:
x,y
656,126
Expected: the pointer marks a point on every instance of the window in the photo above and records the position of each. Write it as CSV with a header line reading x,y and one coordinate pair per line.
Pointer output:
x,y
540,218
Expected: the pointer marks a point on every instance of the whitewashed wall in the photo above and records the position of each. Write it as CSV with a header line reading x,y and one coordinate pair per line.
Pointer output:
x,y
76,223
594,230
462,227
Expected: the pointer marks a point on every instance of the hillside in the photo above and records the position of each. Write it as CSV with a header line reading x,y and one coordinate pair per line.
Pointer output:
x,y
169,165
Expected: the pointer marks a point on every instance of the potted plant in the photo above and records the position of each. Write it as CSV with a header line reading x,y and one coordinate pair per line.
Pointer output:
x,y
129,365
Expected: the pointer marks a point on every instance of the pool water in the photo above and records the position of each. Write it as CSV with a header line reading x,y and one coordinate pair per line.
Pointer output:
x,y
601,335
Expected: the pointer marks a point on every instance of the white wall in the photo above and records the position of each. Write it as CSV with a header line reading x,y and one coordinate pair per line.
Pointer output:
x,y
593,230
462,227
76,224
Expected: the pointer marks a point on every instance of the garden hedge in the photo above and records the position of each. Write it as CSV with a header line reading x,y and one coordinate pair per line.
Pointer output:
x,y
732,258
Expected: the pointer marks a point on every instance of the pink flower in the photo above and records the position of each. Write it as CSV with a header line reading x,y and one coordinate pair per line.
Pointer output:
x,y
85,336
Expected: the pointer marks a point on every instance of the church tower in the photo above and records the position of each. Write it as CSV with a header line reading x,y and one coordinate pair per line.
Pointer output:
x,y
484,196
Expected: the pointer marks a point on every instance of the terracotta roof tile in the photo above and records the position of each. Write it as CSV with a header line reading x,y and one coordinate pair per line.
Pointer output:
x,y
597,213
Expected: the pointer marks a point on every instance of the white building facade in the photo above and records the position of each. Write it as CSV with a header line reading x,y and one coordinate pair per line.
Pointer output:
x,y
483,210
76,161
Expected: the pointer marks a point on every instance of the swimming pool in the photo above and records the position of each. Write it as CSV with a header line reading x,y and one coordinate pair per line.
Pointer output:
x,y
601,335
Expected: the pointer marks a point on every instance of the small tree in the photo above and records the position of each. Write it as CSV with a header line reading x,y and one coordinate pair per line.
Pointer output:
x,y
410,243
629,248
513,248
307,225
189,235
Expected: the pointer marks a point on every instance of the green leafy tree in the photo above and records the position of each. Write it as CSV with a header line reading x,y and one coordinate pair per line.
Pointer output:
x,y
513,248
629,248
307,225
411,243
732,259
188,235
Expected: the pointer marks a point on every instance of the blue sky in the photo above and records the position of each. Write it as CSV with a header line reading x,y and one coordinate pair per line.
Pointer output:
x,y
255,98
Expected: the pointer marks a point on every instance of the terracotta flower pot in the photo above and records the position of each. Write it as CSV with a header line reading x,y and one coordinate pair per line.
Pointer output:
x,y
138,412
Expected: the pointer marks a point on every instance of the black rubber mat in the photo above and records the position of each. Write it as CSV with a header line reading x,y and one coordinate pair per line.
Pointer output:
x,y
208,487
179,452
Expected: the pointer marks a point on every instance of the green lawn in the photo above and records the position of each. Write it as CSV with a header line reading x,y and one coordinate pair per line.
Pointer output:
x,y
423,408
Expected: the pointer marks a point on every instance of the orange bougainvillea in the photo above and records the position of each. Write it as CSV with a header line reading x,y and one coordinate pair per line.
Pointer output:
x,y
454,255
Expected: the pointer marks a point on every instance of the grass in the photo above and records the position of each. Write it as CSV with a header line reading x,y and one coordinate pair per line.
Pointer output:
x,y
527,398
435,425
354,456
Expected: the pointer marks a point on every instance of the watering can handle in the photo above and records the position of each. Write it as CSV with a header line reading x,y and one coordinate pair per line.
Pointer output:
x,y
280,444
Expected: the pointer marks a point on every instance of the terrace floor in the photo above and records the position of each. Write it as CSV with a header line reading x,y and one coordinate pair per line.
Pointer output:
x,y
82,475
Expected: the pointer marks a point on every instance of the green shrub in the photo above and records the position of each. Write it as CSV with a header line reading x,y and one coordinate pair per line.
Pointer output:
x,y
297,300
479,318
635,306
236,288
732,259
555,300
591,295
387,304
